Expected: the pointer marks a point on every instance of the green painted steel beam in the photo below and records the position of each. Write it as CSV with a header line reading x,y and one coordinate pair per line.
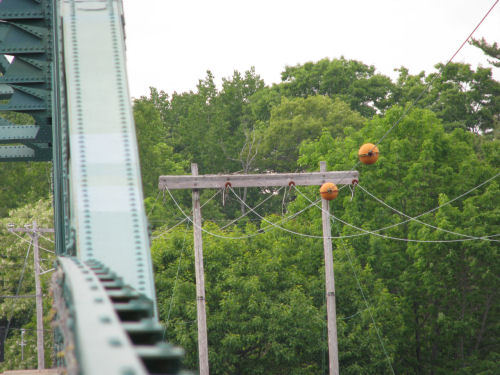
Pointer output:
x,y
106,193
24,153
19,9
25,133
25,69
26,35
5,91
15,39
101,345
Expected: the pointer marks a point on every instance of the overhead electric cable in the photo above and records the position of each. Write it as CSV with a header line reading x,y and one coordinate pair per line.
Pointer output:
x,y
45,238
17,291
365,232
175,284
182,220
260,231
154,204
405,112
19,297
374,232
399,238
29,241
368,307
418,221
246,213
167,231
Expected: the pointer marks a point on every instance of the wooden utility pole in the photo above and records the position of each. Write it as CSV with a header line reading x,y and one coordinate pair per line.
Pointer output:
x,y
196,182
38,297
33,232
22,343
331,314
200,280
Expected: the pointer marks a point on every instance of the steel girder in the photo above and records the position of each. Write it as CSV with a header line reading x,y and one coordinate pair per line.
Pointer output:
x,y
125,337
25,82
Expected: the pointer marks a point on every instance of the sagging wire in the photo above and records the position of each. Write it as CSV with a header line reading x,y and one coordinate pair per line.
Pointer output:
x,y
29,241
426,89
415,219
260,231
164,233
175,284
374,232
368,307
17,291
246,213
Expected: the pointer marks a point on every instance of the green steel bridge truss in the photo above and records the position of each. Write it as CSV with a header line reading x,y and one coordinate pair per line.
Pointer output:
x,y
62,62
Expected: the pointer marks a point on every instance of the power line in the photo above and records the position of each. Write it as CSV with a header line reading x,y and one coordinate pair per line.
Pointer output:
x,y
473,31
185,217
276,225
368,307
253,210
353,315
154,204
17,292
25,240
373,232
228,221
261,231
165,232
45,238
418,221
175,285
17,297
405,112
365,232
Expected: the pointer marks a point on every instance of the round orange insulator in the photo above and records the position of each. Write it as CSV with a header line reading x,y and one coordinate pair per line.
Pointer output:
x,y
329,191
368,153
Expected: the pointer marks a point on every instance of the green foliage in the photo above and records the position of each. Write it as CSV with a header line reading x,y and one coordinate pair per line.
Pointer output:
x,y
297,120
352,81
21,312
435,304
265,302
22,182
446,288
491,50
465,98
155,153
460,96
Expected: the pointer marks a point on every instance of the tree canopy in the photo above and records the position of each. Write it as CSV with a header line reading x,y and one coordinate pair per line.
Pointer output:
x,y
416,267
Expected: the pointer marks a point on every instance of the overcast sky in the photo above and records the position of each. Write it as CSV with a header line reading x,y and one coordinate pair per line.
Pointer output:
x,y
172,43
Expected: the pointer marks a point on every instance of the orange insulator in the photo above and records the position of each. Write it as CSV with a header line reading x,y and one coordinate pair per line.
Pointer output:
x,y
368,153
329,191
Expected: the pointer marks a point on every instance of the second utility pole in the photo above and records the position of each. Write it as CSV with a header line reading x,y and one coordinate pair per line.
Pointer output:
x,y
197,182
33,232
200,280
331,315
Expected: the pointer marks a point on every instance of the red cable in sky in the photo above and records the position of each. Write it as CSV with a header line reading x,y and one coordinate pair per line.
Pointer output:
x,y
435,77
473,31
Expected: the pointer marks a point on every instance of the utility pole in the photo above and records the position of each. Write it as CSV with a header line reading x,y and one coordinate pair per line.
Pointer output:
x,y
200,280
33,232
331,314
23,343
196,182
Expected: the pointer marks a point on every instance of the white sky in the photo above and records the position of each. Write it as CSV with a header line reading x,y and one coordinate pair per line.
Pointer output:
x,y
172,43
